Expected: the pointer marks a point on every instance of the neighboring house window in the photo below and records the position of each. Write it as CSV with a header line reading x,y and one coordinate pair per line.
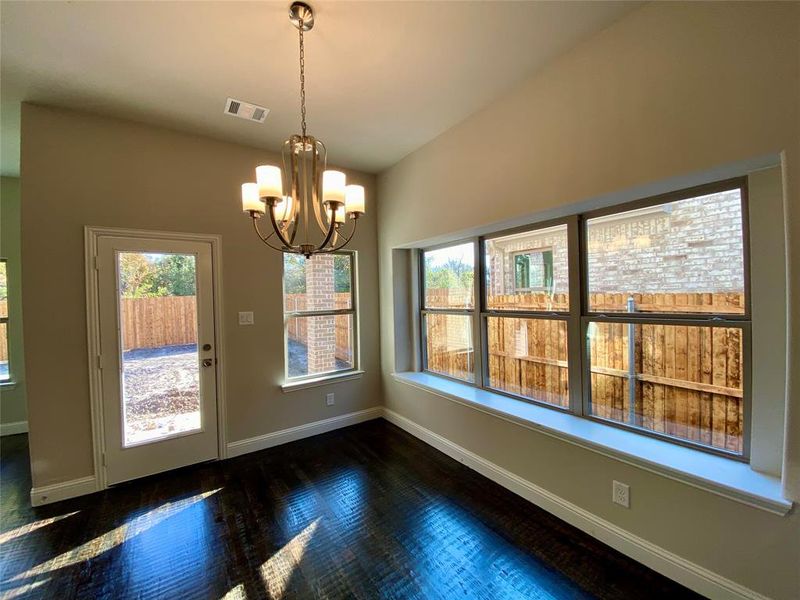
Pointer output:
x,y
533,270
319,303
636,316
5,368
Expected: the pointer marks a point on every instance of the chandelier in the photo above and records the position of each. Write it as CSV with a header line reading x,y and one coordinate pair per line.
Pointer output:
x,y
304,201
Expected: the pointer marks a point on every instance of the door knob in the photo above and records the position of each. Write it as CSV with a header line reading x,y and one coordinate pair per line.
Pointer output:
x,y
206,347
207,362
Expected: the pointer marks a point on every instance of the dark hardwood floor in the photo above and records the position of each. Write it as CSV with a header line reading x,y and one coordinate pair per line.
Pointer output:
x,y
362,512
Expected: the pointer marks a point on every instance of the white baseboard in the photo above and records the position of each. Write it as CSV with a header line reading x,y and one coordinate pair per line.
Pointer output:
x,y
87,485
13,428
671,565
48,494
291,434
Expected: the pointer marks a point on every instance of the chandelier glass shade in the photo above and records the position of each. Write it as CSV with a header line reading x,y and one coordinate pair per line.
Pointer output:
x,y
308,206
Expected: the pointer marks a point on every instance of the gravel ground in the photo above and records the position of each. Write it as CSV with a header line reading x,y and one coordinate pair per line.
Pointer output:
x,y
162,394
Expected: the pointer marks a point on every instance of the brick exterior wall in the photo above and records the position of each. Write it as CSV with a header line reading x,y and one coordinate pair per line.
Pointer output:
x,y
320,295
693,245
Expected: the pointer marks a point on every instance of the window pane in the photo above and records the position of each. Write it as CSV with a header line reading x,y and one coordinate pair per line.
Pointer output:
x,y
528,271
687,380
321,282
449,276
449,345
317,345
3,290
528,357
683,256
5,375
158,331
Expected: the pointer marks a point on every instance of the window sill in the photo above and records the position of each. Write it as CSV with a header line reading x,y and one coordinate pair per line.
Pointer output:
x,y
716,474
8,385
318,381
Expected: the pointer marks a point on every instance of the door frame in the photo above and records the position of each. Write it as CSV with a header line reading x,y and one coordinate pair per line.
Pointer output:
x,y
91,237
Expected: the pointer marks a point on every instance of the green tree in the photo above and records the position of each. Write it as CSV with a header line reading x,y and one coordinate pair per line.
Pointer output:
x,y
452,275
175,274
147,275
341,273
135,275
294,274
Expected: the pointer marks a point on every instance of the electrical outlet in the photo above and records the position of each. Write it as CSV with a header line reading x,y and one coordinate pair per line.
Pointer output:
x,y
246,318
329,401
621,494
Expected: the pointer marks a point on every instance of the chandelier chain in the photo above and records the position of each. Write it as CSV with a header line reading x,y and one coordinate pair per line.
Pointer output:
x,y
302,81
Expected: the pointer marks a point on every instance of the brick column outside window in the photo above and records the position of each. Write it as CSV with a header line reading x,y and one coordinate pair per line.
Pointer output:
x,y
320,290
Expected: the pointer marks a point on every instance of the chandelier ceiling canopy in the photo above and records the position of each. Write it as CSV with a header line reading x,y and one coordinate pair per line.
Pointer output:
x,y
308,206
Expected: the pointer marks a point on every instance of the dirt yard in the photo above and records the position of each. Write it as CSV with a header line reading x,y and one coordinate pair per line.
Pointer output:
x,y
162,393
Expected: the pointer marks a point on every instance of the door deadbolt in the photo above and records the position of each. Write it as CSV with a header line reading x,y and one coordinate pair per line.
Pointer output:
x,y
206,347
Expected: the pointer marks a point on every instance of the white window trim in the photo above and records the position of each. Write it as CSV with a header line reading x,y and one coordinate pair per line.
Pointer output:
x,y
718,475
302,384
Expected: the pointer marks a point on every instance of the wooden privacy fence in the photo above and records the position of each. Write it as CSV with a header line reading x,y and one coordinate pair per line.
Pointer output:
x,y
699,302
156,322
172,320
686,380
297,328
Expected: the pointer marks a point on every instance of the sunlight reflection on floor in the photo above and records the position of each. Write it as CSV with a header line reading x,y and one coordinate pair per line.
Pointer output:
x,y
277,571
24,590
115,537
31,527
236,593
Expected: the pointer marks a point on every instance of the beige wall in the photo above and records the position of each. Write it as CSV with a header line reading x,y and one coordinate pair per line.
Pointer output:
x,y
672,90
78,170
12,398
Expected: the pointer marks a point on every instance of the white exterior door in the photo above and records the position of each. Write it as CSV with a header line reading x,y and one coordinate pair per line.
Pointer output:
x,y
157,355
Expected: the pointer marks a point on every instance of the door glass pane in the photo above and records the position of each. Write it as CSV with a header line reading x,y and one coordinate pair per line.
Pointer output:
x,y
322,282
449,275
158,330
678,257
321,344
449,345
528,357
687,380
528,270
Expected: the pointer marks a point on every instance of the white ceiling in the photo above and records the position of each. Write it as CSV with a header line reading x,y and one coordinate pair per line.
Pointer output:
x,y
383,78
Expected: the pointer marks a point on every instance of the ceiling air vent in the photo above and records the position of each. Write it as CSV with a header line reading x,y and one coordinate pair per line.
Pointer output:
x,y
245,110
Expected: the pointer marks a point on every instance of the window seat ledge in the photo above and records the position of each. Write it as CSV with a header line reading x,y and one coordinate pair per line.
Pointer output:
x,y
322,380
716,474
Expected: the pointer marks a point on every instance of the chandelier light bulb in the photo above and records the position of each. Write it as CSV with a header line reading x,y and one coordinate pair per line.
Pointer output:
x,y
283,210
354,199
250,199
333,186
340,215
270,181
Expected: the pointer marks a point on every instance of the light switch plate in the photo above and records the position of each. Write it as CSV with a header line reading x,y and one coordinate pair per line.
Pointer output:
x,y
246,318
329,399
